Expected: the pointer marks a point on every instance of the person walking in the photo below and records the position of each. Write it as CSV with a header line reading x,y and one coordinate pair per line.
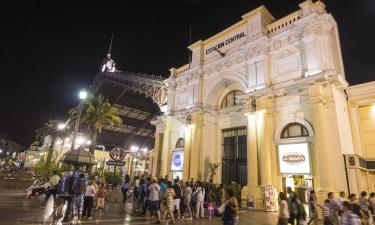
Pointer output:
x,y
199,196
312,208
187,201
89,200
364,204
177,198
154,198
372,205
327,213
347,216
334,208
52,190
79,189
169,201
101,196
125,188
284,210
230,214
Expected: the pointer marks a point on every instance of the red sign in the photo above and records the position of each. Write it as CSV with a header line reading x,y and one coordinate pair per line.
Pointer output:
x,y
117,154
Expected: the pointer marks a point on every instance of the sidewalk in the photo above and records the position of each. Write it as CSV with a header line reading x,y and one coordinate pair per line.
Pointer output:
x,y
16,209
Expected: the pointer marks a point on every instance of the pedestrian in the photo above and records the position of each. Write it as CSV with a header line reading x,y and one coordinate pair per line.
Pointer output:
x,y
170,194
136,188
187,201
52,190
284,210
221,194
293,209
334,208
372,205
327,214
199,196
177,198
89,200
301,216
79,189
142,194
125,188
312,208
101,196
210,208
364,205
154,198
230,214
341,201
347,216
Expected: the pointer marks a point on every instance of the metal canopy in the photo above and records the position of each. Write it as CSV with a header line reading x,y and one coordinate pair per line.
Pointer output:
x,y
138,98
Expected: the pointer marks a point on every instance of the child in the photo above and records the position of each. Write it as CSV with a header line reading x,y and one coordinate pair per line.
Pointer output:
x,y
101,196
210,208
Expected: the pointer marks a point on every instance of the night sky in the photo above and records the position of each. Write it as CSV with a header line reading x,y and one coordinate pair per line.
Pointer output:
x,y
50,50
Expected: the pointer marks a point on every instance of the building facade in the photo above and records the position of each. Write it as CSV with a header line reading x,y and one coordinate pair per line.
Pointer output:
x,y
267,100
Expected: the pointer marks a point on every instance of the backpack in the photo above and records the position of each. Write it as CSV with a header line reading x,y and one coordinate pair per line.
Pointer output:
x,y
125,186
177,191
80,187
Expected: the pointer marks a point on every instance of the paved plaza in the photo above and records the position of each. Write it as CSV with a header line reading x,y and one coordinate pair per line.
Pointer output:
x,y
16,209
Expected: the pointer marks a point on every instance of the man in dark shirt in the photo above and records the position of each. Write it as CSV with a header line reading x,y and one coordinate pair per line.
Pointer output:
x,y
177,198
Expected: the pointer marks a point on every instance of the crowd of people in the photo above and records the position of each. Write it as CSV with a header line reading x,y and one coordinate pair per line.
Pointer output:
x,y
181,200
162,198
343,211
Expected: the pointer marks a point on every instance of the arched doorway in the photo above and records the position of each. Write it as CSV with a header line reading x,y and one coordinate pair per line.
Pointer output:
x,y
294,156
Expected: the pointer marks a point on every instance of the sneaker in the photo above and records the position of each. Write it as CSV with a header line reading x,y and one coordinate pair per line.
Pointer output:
x,y
90,218
190,218
178,218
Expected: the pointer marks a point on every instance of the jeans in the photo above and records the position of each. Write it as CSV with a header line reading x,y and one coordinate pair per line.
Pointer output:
x,y
77,205
49,193
124,194
87,206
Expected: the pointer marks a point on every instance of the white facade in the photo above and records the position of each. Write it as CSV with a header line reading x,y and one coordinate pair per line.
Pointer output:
x,y
293,69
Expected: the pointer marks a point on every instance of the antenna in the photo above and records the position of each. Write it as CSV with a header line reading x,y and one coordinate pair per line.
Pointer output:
x,y
110,44
189,44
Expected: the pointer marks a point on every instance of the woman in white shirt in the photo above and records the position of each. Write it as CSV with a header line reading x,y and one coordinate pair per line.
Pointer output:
x,y
283,211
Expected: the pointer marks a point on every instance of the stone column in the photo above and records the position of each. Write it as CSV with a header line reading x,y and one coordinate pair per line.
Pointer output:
x,y
264,139
196,147
329,172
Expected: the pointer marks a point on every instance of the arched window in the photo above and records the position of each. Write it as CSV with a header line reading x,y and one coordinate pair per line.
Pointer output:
x,y
294,130
180,143
230,99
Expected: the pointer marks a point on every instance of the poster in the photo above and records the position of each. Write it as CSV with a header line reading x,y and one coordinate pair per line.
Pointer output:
x,y
270,198
177,161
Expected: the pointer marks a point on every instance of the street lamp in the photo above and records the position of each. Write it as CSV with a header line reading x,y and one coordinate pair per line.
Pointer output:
x,y
61,126
82,97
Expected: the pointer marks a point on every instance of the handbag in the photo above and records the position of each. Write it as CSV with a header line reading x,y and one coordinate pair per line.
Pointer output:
x,y
221,209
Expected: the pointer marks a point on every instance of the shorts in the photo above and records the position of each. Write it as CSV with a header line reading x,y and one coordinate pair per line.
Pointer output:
x,y
153,205
176,203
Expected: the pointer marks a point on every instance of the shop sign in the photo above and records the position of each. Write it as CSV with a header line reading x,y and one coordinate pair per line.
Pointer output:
x,y
117,154
270,198
115,163
294,159
177,160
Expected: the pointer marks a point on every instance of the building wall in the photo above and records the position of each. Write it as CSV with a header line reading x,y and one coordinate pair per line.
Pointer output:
x,y
292,68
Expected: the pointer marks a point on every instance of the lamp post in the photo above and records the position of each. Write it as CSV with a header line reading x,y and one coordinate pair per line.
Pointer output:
x,y
82,97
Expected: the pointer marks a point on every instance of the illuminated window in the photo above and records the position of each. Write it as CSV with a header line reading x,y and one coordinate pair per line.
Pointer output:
x,y
294,130
180,143
230,99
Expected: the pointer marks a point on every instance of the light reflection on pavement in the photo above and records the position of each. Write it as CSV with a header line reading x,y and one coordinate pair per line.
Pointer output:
x,y
16,209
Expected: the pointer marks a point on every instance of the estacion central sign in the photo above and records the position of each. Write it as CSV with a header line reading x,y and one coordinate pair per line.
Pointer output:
x,y
226,42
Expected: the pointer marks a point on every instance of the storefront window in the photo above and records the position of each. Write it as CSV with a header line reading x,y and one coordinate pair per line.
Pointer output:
x,y
230,99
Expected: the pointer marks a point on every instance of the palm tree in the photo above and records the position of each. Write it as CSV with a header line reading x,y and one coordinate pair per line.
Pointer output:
x,y
50,128
96,114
